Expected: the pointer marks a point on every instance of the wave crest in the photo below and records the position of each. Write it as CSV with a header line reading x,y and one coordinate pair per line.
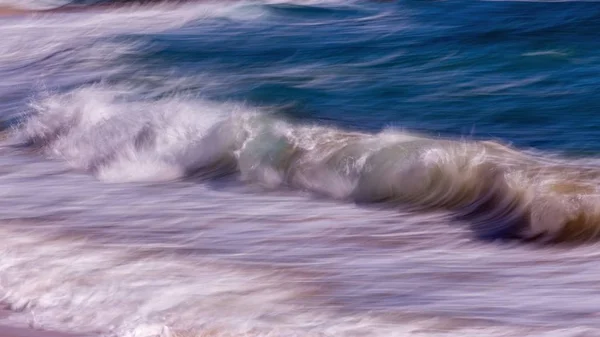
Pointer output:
x,y
502,192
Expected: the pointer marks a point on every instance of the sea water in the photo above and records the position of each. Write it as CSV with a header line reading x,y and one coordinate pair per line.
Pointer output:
x,y
302,168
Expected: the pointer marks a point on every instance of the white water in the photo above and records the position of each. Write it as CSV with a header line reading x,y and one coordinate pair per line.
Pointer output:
x,y
102,235
128,260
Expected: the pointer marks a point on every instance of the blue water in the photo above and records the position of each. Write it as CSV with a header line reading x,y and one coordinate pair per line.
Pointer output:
x,y
301,168
522,72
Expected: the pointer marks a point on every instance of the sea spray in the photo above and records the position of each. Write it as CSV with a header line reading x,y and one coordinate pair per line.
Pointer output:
x,y
503,192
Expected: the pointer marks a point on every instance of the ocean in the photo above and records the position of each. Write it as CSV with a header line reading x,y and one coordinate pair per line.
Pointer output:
x,y
307,168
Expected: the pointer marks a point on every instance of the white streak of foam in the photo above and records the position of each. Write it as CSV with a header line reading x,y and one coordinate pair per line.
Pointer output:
x,y
82,287
78,286
98,129
75,48
43,33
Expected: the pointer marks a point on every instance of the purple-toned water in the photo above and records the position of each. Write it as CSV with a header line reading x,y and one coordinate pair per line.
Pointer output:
x,y
135,203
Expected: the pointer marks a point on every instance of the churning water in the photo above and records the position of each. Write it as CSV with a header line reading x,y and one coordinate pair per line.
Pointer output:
x,y
302,168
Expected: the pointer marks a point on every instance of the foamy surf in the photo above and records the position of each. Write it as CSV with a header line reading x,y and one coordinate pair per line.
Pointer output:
x,y
503,192
225,168
80,284
74,284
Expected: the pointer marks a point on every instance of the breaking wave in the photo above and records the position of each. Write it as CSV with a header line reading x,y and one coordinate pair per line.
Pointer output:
x,y
504,193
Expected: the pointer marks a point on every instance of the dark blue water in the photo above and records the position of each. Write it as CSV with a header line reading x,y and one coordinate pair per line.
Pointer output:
x,y
522,72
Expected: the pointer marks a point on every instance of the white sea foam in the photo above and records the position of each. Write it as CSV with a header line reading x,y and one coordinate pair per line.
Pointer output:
x,y
123,134
116,137
57,50
76,285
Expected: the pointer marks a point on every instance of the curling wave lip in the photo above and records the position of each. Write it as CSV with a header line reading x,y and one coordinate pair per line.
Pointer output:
x,y
504,193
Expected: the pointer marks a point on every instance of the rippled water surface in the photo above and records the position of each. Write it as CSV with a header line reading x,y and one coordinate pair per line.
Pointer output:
x,y
302,168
